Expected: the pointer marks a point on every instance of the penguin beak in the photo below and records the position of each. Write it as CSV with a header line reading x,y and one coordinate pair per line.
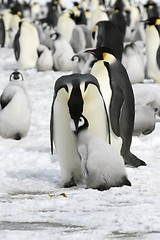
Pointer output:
x,y
91,51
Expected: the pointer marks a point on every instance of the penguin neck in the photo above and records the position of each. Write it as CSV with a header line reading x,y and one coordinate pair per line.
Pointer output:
x,y
83,136
109,58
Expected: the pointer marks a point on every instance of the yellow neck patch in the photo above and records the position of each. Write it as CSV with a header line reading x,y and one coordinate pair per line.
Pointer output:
x,y
105,55
157,21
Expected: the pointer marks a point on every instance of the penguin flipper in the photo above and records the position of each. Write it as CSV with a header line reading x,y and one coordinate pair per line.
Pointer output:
x,y
158,57
17,46
115,109
51,128
4,101
2,33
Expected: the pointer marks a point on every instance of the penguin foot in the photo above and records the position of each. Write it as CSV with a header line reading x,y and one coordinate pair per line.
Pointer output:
x,y
131,160
17,136
71,183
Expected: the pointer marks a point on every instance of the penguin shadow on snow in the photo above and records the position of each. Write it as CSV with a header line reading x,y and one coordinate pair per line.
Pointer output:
x,y
102,166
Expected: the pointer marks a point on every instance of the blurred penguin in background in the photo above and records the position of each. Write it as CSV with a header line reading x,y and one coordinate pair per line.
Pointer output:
x,y
26,43
153,48
131,60
117,17
66,24
151,9
62,53
45,59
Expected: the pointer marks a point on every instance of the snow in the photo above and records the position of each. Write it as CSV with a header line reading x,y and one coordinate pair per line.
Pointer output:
x,y
32,205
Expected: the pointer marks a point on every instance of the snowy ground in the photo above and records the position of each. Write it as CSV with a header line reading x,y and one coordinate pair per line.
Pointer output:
x,y
31,204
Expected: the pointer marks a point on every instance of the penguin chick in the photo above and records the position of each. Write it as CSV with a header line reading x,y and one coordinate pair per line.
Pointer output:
x,y
145,119
102,166
45,60
133,61
62,54
15,114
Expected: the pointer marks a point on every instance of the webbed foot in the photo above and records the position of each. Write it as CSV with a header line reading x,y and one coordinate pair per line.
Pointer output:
x,y
71,183
131,160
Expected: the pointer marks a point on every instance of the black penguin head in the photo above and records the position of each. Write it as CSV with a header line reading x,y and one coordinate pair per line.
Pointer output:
x,y
81,125
153,21
75,103
100,52
16,76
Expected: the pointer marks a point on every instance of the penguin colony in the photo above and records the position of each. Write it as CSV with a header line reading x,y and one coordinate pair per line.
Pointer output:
x,y
112,49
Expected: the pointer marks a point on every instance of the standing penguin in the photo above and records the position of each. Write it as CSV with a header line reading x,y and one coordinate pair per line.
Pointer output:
x,y
73,95
102,166
15,114
26,43
118,96
153,48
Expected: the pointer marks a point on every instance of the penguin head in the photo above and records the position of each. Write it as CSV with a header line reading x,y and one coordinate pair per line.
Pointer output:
x,y
153,21
16,76
81,125
55,35
101,52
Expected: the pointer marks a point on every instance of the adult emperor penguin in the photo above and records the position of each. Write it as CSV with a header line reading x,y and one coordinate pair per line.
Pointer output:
x,y
153,48
118,96
73,95
15,113
102,166
26,43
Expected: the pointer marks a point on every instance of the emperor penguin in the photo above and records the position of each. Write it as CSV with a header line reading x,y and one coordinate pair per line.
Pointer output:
x,y
26,43
102,166
73,95
106,33
15,113
153,49
152,9
98,14
133,21
66,24
119,99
